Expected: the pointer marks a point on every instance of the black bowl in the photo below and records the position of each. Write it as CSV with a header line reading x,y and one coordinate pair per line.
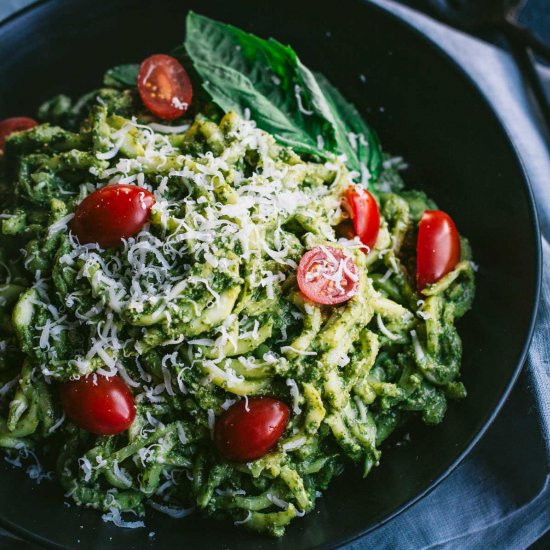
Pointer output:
x,y
424,108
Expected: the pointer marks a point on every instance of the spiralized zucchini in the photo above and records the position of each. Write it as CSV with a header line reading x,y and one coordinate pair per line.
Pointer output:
x,y
202,308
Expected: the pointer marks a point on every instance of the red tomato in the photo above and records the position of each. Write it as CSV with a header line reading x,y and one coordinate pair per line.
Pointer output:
x,y
364,212
327,276
101,405
242,435
437,248
164,86
14,124
112,213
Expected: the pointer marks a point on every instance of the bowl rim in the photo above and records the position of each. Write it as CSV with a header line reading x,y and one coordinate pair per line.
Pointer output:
x,y
536,233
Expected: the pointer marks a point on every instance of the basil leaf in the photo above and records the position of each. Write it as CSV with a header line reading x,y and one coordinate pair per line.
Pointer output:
x,y
351,127
122,76
242,72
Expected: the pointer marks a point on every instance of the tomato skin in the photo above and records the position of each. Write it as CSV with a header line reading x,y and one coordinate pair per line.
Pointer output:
x,y
243,435
112,213
437,247
164,86
14,124
97,404
365,214
319,263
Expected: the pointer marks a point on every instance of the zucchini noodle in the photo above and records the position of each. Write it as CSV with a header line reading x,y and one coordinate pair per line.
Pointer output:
x,y
201,308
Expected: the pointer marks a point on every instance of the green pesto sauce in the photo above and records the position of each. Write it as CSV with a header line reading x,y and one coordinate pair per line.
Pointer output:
x,y
202,308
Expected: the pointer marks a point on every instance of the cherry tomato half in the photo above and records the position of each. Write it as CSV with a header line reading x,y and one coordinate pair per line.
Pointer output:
x,y
364,212
112,213
14,124
327,276
242,435
164,86
101,405
437,248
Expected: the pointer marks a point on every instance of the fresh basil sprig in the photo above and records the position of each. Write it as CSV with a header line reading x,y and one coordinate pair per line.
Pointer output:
x,y
265,79
244,73
122,76
356,139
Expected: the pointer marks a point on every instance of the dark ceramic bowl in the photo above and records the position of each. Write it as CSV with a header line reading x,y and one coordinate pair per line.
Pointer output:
x,y
424,108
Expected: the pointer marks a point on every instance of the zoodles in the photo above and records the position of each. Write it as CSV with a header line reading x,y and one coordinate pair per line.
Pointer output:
x,y
201,309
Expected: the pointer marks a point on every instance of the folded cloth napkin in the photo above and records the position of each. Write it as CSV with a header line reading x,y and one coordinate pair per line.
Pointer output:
x,y
499,497
8,7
